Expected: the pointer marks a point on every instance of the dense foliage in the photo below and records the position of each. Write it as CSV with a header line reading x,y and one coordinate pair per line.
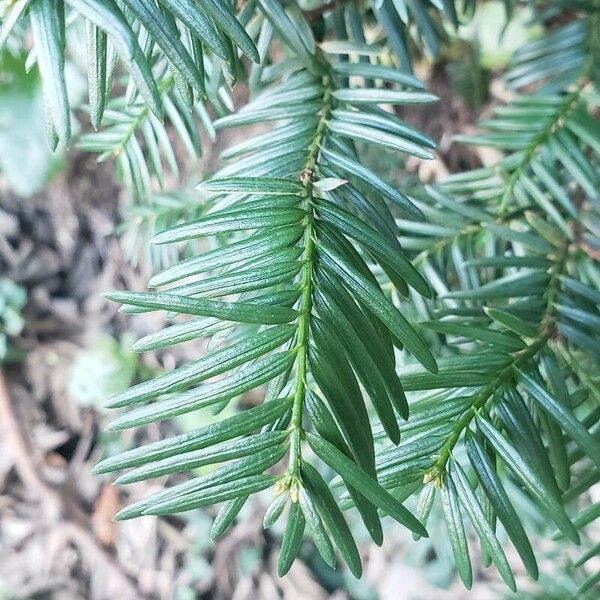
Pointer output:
x,y
432,346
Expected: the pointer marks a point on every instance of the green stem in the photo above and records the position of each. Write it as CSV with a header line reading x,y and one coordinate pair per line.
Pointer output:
x,y
305,309
306,300
520,358
164,86
541,138
501,213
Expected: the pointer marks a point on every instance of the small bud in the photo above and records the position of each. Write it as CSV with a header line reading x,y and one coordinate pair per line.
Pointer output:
x,y
294,494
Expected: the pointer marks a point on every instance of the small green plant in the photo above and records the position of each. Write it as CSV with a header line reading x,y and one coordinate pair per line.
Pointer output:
x,y
100,372
433,346
12,301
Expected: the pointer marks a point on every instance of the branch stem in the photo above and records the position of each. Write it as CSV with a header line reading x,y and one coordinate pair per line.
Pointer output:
x,y
522,357
306,300
502,214
541,138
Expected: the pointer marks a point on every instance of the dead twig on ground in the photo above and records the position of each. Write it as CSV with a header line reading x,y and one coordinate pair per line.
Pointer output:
x,y
60,509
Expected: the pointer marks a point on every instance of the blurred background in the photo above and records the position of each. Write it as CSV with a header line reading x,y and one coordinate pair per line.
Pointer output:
x,y
72,228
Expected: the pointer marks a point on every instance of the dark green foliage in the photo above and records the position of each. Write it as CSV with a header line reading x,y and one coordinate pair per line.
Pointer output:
x,y
441,342
289,234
